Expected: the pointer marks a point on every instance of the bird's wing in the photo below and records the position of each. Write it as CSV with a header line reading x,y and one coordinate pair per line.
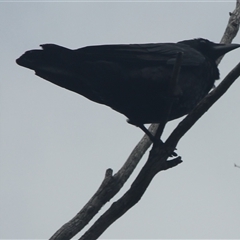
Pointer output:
x,y
152,54
146,54
115,75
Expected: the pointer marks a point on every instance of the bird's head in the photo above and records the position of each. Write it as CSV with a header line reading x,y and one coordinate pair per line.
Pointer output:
x,y
210,49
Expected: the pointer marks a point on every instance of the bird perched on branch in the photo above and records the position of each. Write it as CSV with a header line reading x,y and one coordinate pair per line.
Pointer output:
x,y
133,79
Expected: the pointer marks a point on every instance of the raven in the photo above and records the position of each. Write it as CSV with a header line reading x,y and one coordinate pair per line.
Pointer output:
x,y
133,79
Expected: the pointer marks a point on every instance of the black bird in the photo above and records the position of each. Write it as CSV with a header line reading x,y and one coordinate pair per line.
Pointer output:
x,y
132,79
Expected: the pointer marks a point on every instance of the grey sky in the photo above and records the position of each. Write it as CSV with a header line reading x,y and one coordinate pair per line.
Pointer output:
x,y
56,145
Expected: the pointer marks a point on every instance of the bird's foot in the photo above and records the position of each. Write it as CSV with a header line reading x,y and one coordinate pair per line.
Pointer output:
x,y
156,141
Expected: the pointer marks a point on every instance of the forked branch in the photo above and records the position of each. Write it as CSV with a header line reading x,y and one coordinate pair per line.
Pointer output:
x,y
157,161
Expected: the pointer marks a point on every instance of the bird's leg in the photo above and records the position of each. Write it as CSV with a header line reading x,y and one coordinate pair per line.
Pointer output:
x,y
145,130
152,138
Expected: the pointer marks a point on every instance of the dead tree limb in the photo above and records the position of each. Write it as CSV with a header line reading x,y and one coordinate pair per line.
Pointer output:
x,y
113,183
157,160
109,187
232,26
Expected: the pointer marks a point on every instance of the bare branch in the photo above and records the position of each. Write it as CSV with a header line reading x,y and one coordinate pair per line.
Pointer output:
x,y
157,161
108,188
232,26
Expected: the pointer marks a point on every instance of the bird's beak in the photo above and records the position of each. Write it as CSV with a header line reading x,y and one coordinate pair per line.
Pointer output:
x,y
221,49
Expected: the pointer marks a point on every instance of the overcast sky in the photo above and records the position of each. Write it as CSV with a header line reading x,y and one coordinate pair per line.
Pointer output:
x,y
55,145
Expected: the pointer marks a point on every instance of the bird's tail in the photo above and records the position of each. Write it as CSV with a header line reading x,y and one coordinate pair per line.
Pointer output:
x,y
51,58
55,64
61,66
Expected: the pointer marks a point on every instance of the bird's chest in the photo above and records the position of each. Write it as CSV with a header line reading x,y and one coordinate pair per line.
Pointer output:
x,y
194,83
